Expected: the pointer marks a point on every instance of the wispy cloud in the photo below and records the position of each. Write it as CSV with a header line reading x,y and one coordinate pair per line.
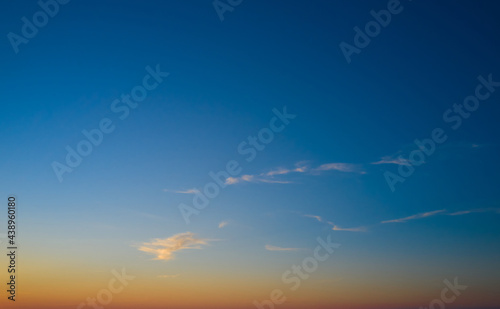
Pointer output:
x,y
392,160
274,248
280,171
223,224
164,249
273,176
234,180
315,217
189,191
352,229
274,181
341,167
446,150
168,276
252,178
462,145
300,167
463,212
477,210
336,227
414,217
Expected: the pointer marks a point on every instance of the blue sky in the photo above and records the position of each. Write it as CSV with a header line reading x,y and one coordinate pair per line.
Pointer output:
x,y
225,80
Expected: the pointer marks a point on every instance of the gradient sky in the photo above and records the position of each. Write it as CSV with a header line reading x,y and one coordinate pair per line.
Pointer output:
x,y
322,175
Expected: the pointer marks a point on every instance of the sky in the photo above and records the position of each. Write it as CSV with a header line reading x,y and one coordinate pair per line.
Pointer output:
x,y
251,154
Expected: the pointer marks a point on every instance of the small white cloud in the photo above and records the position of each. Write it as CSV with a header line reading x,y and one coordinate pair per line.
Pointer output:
x,y
232,180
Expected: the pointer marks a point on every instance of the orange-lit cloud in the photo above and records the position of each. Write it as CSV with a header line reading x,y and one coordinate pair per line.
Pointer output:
x,y
164,249
223,224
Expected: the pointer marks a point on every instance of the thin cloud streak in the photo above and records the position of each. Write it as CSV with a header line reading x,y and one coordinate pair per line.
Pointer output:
x,y
414,217
353,229
398,157
300,167
336,227
274,181
463,212
274,248
189,191
252,178
341,167
478,210
314,217
269,177
168,276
